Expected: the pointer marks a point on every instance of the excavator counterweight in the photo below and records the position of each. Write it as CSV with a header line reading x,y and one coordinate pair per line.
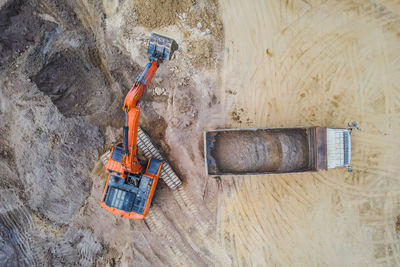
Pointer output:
x,y
131,182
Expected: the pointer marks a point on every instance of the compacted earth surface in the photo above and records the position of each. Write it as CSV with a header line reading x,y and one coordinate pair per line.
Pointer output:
x,y
65,67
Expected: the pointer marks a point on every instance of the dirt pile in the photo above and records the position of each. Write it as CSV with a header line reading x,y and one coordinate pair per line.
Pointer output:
x,y
47,149
65,69
74,83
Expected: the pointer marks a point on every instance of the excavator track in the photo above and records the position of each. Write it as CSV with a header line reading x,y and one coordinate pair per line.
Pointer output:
x,y
145,144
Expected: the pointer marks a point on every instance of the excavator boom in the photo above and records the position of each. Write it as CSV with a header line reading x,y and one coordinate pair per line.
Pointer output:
x,y
132,110
131,182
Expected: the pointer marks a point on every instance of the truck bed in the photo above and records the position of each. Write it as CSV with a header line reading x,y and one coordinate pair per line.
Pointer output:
x,y
263,151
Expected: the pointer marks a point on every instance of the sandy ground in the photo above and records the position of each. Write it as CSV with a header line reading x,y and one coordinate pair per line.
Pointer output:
x,y
65,67
300,63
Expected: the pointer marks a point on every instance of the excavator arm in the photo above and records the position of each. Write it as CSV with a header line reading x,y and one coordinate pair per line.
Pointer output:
x,y
132,112
160,48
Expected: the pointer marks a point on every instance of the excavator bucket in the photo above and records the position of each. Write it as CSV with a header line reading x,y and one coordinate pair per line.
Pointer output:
x,y
161,46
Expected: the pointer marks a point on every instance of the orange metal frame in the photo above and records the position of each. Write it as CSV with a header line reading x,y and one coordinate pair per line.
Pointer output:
x,y
133,215
130,162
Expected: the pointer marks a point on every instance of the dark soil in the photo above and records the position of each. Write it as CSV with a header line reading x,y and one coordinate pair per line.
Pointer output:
x,y
73,83
18,27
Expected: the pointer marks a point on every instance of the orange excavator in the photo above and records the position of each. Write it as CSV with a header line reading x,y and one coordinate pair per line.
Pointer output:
x,y
131,182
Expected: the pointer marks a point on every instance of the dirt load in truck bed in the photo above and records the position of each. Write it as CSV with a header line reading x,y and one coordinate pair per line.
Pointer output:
x,y
258,151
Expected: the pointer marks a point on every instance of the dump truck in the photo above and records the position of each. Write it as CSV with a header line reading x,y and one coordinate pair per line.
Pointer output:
x,y
276,150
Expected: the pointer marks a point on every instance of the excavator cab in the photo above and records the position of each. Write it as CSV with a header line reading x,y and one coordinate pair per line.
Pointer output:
x,y
126,194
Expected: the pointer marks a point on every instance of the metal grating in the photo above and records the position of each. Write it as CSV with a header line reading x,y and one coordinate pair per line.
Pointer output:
x,y
338,148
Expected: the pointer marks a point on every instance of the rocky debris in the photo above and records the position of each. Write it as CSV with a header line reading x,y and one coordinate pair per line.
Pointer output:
x,y
154,13
160,91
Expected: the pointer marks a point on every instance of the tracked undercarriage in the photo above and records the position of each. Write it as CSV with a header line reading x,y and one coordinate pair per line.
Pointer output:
x,y
145,144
